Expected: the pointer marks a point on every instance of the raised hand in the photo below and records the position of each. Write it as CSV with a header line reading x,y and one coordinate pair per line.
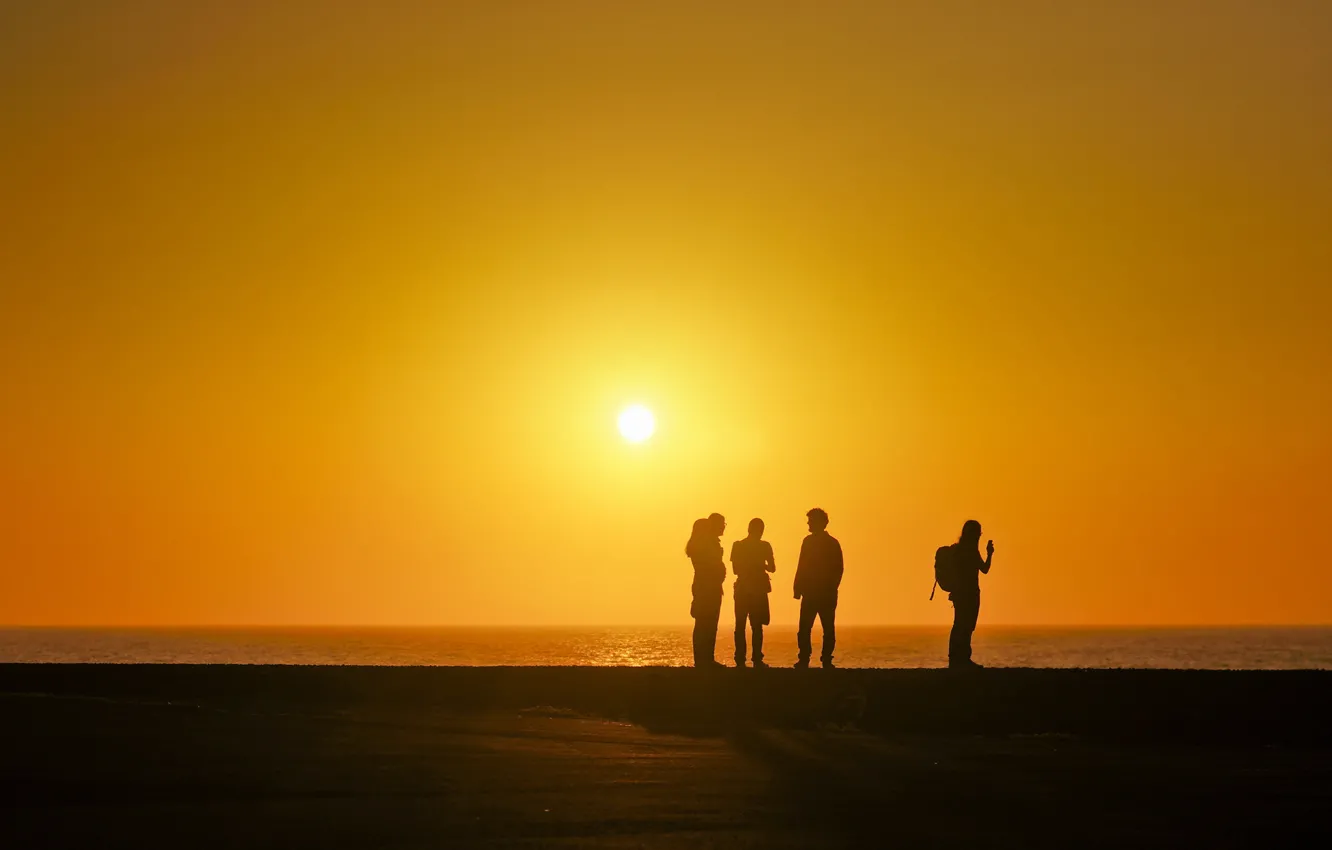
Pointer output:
x,y
989,548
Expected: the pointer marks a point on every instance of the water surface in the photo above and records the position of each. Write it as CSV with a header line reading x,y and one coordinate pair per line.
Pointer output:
x,y
858,646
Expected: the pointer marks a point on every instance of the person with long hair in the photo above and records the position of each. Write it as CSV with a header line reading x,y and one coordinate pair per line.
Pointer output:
x,y
966,567
705,552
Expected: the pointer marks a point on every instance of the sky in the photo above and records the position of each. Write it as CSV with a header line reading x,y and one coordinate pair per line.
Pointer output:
x,y
323,312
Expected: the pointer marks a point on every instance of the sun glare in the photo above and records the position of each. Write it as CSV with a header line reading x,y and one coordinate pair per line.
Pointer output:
x,y
637,423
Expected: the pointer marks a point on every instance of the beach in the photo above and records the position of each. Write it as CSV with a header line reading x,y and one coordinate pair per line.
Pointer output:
x,y
228,756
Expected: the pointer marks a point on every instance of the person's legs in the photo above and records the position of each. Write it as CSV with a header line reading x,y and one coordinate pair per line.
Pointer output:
x,y
757,625
956,653
710,634
700,629
808,610
760,614
966,610
706,614
741,615
828,620
973,614
698,635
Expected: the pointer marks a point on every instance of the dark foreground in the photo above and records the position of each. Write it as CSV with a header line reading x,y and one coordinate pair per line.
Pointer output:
x,y
184,757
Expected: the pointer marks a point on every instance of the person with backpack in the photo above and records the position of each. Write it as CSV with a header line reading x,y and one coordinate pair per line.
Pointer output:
x,y
818,576
957,570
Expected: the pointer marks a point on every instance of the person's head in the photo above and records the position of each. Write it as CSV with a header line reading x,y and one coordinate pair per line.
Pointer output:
x,y
818,519
971,533
717,522
756,527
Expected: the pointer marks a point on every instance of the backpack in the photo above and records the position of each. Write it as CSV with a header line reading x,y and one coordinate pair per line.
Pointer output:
x,y
943,570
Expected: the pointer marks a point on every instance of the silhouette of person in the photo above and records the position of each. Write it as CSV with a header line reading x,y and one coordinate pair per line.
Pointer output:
x,y
752,560
818,575
966,569
705,552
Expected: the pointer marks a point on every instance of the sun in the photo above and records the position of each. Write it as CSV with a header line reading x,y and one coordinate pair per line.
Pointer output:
x,y
637,423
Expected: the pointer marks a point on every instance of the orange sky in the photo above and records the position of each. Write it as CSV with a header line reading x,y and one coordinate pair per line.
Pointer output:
x,y
324,315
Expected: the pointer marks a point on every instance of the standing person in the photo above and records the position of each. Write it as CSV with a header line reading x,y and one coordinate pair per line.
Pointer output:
x,y
751,559
818,575
966,566
705,551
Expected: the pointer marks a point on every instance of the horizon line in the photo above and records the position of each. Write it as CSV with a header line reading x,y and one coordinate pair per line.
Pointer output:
x,y
108,626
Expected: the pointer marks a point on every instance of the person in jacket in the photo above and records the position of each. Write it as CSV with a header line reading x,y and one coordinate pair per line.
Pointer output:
x,y
818,576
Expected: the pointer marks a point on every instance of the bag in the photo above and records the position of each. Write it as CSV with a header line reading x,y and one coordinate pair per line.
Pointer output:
x,y
759,609
944,571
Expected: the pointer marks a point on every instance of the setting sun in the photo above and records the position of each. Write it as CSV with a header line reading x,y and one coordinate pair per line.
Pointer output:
x,y
637,423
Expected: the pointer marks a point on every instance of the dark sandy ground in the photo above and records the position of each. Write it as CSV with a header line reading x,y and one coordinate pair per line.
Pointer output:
x,y
186,757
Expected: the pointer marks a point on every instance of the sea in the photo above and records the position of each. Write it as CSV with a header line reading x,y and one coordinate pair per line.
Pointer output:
x,y
1267,648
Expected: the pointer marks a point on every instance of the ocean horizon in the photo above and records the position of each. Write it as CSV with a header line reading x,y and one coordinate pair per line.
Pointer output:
x,y
1161,647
